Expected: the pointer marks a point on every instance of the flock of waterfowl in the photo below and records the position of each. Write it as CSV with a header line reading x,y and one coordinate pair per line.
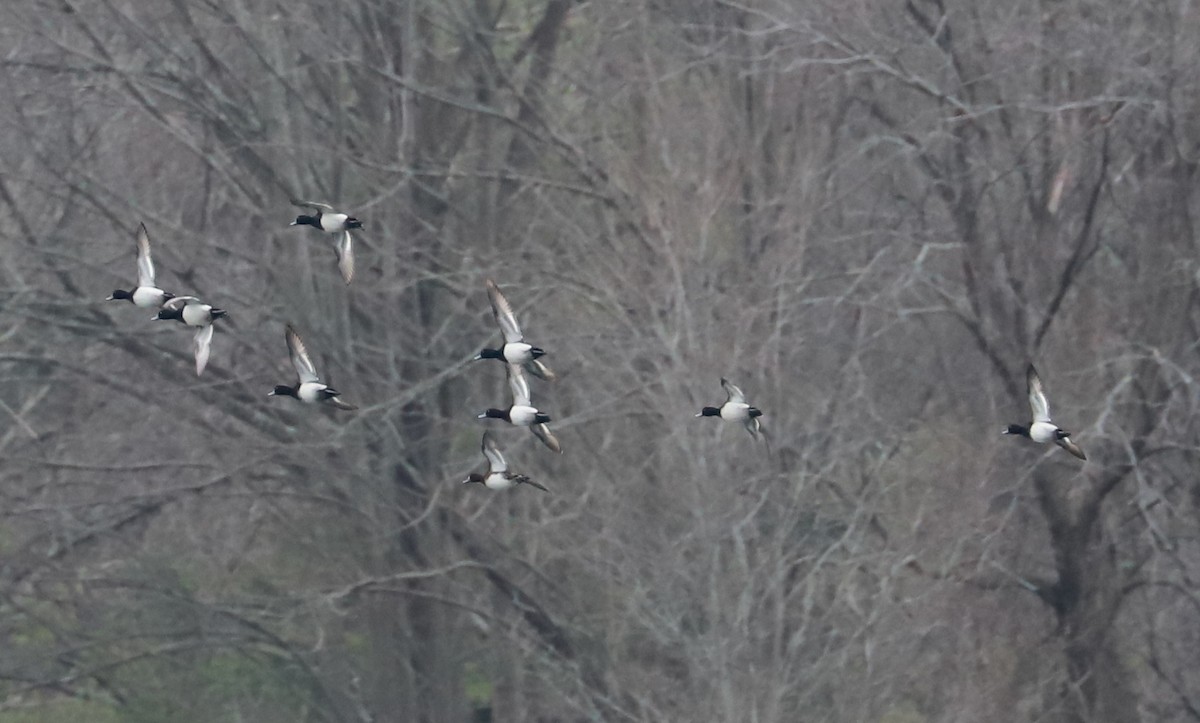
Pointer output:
x,y
518,355
191,311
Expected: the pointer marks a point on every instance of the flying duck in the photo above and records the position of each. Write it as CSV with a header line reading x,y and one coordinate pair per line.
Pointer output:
x,y
1041,429
522,413
735,409
145,294
330,221
497,476
515,349
308,386
190,311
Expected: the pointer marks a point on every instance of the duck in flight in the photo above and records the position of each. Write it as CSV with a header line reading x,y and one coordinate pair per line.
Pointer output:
x,y
146,294
515,349
497,476
1041,429
190,311
522,413
330,221
735,409
308,387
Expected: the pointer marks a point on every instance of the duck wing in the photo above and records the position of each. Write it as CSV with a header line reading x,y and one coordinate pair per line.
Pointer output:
x,y
495,458
325,207
519,385
179,302
1071,447
523,480
503,313
201,345
734,394
1037,396
299,354
757,430
753,426
345,256
337,402
145,263
542,432
540,370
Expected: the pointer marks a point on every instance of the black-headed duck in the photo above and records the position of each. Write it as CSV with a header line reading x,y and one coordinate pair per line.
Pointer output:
x,y
497,476
190,311
146,294
515,349
522,413
330,221
308,387
735,409
1041,429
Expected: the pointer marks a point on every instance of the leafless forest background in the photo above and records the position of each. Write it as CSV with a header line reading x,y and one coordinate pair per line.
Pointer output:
x,y
869,214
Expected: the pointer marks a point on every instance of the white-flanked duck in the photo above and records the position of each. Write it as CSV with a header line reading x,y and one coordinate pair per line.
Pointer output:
x,y
1041,429
190,311
146,294
497,476
522,413
515,350
331,221
308,387
735,409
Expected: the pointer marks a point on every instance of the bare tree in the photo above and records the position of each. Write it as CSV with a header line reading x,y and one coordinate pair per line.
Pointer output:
x,y
872,217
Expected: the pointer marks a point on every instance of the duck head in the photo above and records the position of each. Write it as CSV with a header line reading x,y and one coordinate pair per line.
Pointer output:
x,y
120,294
710,412
489,354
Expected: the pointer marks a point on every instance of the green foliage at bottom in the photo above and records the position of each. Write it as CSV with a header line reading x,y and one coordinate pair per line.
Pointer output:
x,y
64,711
